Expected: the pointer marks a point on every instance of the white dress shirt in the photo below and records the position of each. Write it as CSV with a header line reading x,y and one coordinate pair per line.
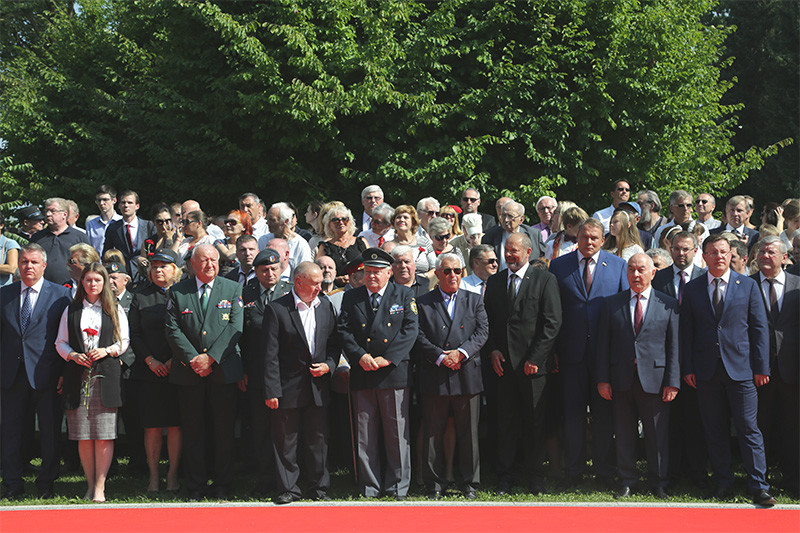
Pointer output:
x,y
780,288
723,285
592,263
92,317
472,283
309,319
632,304
35,291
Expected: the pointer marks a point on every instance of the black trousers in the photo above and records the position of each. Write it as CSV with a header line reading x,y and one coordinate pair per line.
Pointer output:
x,y
303,430
213,406
778,420
466,412
16,402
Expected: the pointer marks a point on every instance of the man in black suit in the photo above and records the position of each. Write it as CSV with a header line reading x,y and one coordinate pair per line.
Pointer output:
x,y
204,323
30,312
524,309
300,350
736,215
470,202
512,216
452,329
246,252
378,328
256,295
129,233
778,400
687,446
638,367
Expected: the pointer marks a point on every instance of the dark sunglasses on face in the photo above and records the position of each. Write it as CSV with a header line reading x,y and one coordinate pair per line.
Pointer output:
x,y
186,222
448,271
432,213
492,261
448,215
231,221
698,201
623,189
162,221
338,220
442,237
684,206
470,200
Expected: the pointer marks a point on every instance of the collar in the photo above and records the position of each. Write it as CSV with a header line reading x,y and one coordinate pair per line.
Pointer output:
x,y
519,273
726,277
200,283
300,305
380,292
133,223
594,257
98,304
37,287
780,278
119,297
446,297
740,229
645,293
688,270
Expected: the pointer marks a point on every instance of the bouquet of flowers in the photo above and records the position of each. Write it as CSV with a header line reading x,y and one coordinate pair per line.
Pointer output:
x,y
93,339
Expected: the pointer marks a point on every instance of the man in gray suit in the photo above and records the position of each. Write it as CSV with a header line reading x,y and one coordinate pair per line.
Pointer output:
x,y
638,367
452,329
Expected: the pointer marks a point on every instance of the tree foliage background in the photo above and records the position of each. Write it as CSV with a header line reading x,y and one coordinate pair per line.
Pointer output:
x,y
303,99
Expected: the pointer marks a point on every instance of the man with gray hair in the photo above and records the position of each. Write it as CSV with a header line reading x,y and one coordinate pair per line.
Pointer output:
x,y
203,326
371,197
73,215
251,204
427,208
651,218
680,208
704,205
545,207
660,257
483,262
470,202
279,220
404,273
736,216
511,221
57,238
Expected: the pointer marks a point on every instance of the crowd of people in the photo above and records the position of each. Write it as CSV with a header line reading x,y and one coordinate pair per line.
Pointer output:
x,y
418,341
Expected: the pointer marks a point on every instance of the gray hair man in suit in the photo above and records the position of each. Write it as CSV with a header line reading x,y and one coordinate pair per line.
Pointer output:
x,y
638,369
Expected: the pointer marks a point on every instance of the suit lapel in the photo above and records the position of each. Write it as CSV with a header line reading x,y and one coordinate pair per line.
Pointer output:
x,y
322,317
42,304
730,292
13,306
381,314
576,273
294,315
440,306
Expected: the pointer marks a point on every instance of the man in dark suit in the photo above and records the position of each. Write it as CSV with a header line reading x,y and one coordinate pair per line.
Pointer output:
x,y
585,278
30,312
452,329
725,355
524,311
778,400
378,328
638,368
204,322
129,233
246,252
736,215
300,349
512,216
470,202
256,295
687,445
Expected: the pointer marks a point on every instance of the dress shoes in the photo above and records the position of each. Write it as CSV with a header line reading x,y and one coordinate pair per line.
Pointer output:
x,y
284,498
764,499
470,494
660,493
321,497
624,492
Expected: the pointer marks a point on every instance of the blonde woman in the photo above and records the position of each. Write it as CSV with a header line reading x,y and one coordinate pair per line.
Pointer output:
x,y
623,236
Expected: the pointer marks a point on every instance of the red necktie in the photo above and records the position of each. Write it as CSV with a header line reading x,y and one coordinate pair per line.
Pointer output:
x,y
681,285
587,275
381,240
637,315
130,238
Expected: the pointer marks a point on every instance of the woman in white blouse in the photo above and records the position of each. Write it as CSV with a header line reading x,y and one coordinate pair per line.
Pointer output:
x,y
92,334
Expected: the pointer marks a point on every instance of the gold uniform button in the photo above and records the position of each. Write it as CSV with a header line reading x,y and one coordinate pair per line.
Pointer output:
x,y
363,325
205,349
204,333
388,324
385,340
368,339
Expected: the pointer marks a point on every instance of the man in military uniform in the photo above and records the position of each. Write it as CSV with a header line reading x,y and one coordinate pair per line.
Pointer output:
x,y
204,323
378,327
267,286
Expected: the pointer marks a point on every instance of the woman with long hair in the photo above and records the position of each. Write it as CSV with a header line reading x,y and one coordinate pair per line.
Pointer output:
x,y
195,234
158,398
92,335
405,223
623,236
340,242
449,213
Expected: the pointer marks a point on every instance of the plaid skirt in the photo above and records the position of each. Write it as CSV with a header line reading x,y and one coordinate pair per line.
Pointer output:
x,y
95,422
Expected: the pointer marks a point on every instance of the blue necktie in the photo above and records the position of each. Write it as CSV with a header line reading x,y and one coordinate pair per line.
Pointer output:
x,y
25,313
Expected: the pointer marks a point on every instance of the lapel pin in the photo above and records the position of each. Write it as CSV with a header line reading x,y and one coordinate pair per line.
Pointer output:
x,y
604,263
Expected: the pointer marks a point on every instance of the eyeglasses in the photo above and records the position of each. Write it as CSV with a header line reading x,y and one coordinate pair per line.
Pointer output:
x,y
74,262
186,222
379,222
442,237
340,220
51,210
683,206
448,271
699,201
546,208
432,213
231,221
162,221
506,216
448,215
468,199
490,261
623,189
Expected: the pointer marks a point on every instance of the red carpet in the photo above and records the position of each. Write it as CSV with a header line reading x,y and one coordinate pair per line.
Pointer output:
x,y
389,519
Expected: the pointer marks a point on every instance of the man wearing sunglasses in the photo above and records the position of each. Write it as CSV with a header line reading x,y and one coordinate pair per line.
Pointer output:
x,y
704,205
524,309
620,192
483,262
453,327
470,201
427,209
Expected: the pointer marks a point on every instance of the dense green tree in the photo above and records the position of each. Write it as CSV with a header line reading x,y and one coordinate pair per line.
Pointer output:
x,y
297,99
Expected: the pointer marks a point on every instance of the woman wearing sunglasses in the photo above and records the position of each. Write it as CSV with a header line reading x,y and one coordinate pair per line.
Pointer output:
x,y
340,242
236,224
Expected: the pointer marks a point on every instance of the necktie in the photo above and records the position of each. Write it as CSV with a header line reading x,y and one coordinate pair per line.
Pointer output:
x,y
381,240
204,298
25,313
717,300
512,289
773,300
587,274
638,315
681,285
483,288
376,301
130,237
